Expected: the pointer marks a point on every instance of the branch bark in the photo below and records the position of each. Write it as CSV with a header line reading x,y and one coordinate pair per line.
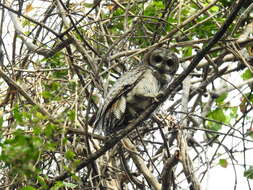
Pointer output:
x,y
166,175
140,165
187,163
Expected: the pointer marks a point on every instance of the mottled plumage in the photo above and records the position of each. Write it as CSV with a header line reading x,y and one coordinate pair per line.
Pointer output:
x,y
135,90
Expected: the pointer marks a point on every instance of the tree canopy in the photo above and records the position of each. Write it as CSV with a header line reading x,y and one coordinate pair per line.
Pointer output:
x,y
58,59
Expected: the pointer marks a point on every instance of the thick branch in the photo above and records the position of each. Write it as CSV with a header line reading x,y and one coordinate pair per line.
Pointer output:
x,y
187,163
166,175
141,166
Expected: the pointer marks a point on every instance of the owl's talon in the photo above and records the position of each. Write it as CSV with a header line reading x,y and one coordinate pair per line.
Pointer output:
x,y
156,99
159,97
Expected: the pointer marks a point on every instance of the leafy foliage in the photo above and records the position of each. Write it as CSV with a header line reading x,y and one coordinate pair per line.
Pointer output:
x,y
20,153
223,163
249,173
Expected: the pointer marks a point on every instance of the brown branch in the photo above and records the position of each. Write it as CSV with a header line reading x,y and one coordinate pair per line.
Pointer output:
x,y
187,163
139,184
140,165
166,176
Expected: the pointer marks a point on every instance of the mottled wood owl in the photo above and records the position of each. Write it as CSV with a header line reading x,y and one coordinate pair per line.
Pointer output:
x,y
135,90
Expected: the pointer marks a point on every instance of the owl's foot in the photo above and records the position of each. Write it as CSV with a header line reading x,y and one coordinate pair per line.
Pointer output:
x,y
159,97
156,99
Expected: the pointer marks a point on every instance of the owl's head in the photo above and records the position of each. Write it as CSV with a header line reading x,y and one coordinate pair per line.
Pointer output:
x,y
162,60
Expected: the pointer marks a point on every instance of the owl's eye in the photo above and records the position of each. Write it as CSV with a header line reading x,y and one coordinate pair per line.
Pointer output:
x,y
170,62
157,58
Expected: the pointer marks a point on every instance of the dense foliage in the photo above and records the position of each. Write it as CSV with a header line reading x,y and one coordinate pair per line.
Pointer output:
x,y
59,58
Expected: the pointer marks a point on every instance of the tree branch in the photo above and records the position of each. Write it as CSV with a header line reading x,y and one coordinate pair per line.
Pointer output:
x,y
166,175
141,166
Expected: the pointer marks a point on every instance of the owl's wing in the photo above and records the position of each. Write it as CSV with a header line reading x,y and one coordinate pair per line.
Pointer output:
x,y
115,95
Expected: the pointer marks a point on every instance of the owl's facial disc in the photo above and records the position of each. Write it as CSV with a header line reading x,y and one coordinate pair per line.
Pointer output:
x,y
157,58
163,61
170,62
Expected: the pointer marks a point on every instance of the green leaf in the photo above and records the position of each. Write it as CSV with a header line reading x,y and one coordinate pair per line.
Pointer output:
x,y
247,75
1,121
95,98
75,163
249,173
171,20
40,116
41,180
154,8
26,22
51,146
57,60
214,9
233,112
37,130
214,126
71,115
187,51
218,115
17,114
71,185
249,97
221,98
118,12
49,130
60,184
20,153
70,155
88,5
250,132
223,163
60,74
28,188
47,95
57,185
226,3
71,85
53,86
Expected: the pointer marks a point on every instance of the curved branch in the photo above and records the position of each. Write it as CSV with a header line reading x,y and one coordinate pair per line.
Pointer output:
x,y
140,165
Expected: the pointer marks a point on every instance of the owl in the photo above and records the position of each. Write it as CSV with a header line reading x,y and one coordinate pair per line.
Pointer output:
x,y
136,90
